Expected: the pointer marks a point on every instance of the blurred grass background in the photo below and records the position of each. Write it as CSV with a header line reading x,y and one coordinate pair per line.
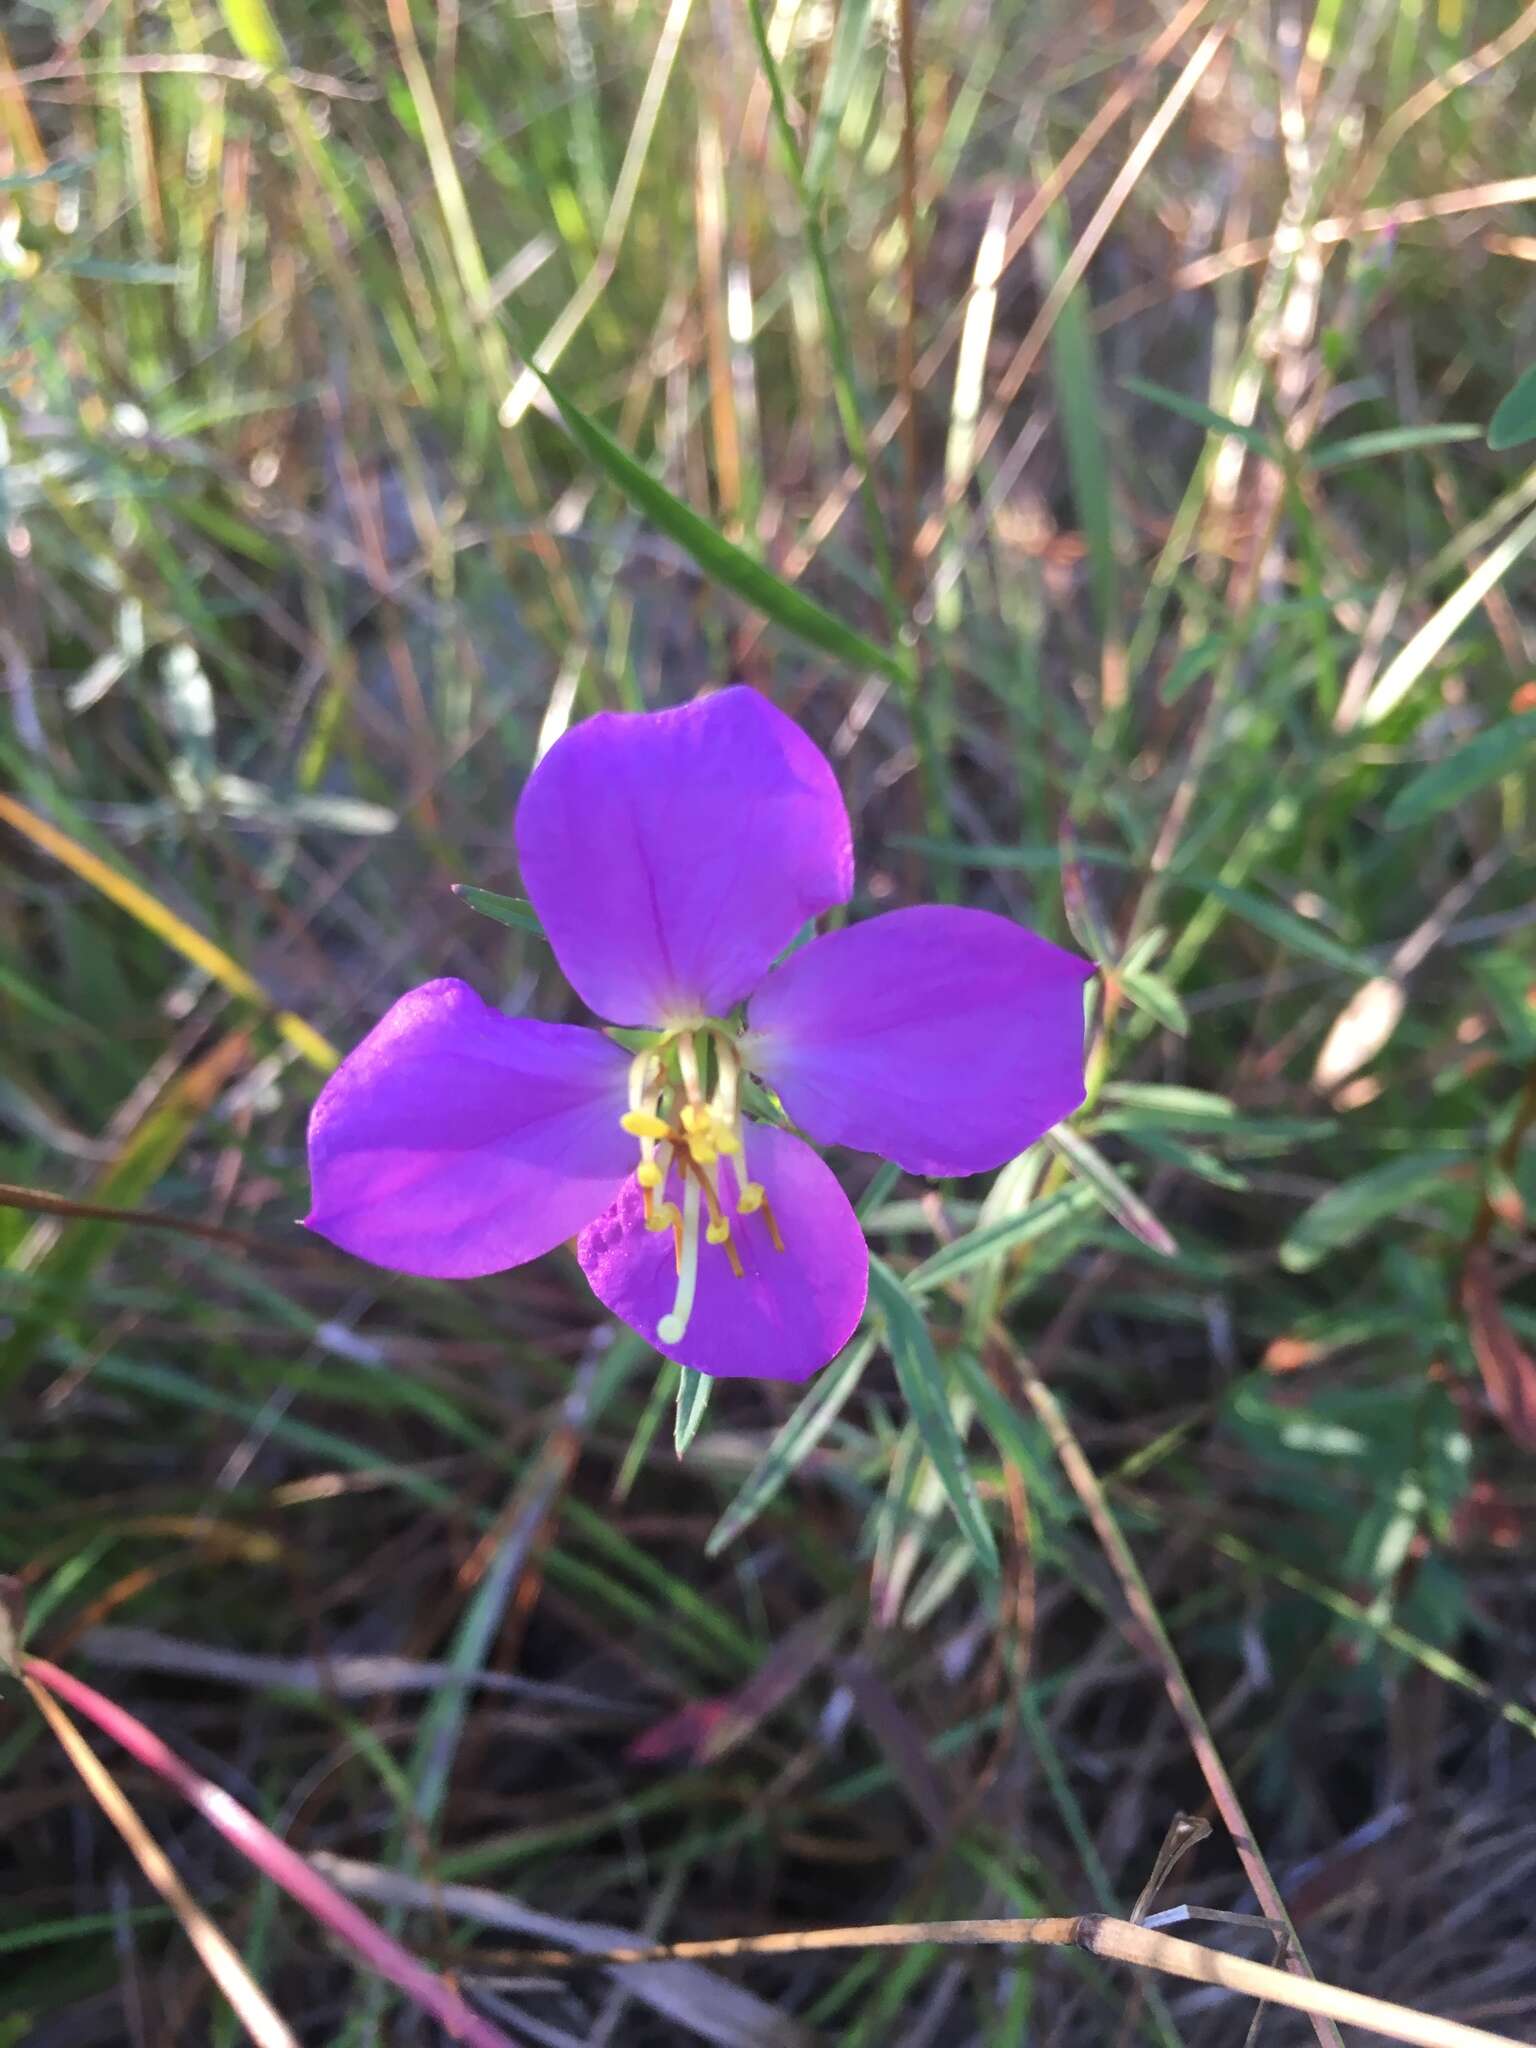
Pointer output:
x,y
1124,374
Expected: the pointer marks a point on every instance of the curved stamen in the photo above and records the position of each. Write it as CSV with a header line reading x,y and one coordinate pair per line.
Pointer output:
x,y
639,1078
770,1219
651,1173
719,1229
688,1067
671,1328
727,1102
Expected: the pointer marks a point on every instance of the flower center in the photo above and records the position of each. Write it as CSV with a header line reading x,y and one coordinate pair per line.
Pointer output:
x,y
685,1109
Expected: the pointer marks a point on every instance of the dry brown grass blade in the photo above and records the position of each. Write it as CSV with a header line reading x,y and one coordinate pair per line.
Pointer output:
x,y
1085,1484
171,64
1031,348
41,1202
709,204
1438,90
1117,1941
1117,103
249,2003
1338,227
1508,1369
573,316
690,1997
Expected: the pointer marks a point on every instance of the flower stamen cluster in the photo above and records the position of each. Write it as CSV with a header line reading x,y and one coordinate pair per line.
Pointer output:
x,y
679,1127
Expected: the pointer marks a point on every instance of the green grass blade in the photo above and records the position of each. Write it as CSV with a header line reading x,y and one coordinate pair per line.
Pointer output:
x,y
795,1441
1127,1207
1040,1219
515,911
1388,441
1484,758
922,1383
1343,1216
253,32
848,44
721,561
1203,416
693,1396
1515,419
1080,404
1287,926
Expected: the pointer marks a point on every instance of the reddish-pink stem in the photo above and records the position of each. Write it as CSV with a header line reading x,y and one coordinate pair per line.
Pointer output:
x,y
276,1860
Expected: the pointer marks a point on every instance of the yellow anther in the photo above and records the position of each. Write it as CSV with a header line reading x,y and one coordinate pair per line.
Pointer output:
x,y
719,1231
665,1216
649,1174
696,1116
750,1199
641,1124
702,1151
727,1142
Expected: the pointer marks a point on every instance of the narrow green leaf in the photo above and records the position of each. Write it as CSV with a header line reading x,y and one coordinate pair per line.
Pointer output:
x,y
1192,664
1190,1159
1482,759
516,911
1127,1208
1157,997
1040,1219
1515,419
693,1393
1081,411
884,1178
922,1383
726,564
1347,1212
663,1388
1300,933
795,1441
1018,1437
849,40
1388,441
1203,416
1142,951
253,31
1170,1105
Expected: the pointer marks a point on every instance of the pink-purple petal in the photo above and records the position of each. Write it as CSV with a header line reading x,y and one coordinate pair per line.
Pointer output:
x,y
946,1040
456,1141
672,854
789,1313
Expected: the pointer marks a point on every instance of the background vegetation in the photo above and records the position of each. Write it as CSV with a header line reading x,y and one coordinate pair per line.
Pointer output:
x,y
1117,381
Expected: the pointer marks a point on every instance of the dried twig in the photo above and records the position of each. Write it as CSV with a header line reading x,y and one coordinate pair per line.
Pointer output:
x,y
1117,1941
1085,1484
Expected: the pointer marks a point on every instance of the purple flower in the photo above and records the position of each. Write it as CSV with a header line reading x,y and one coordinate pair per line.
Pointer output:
x,y
672,856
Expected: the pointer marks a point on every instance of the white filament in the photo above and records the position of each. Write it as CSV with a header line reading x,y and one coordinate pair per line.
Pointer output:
x,y
671,1327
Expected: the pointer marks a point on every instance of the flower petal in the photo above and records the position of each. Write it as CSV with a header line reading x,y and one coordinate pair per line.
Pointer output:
x,y
672,854
455,1141
946,1040
789,1313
